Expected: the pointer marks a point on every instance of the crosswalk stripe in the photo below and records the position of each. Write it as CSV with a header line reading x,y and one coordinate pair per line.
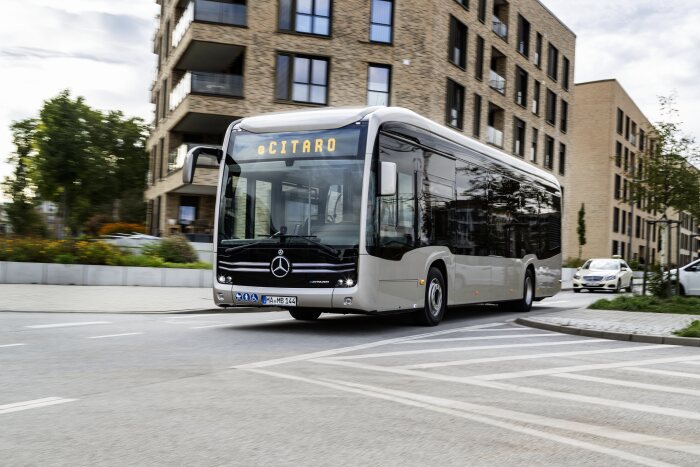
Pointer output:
x,y
33,404
630,384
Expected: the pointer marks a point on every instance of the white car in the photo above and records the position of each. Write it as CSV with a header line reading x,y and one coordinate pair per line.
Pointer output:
x,y
603,274
690,278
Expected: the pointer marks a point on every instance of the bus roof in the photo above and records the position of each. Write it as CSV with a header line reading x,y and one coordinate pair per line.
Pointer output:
x,y
329,118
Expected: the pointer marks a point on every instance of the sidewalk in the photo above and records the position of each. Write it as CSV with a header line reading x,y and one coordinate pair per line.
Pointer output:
x,y
656,328
71,298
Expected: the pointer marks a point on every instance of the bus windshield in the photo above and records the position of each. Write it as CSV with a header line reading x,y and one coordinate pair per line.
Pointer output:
x,y
302,187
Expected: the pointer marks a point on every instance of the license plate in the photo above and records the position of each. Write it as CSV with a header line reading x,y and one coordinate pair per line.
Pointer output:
x,y
593,284
279,301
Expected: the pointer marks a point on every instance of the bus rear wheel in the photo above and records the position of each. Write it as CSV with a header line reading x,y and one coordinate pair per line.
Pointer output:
x,y
524,304
435,300
304,314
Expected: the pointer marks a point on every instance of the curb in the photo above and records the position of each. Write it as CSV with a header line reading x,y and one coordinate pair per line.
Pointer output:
x,y
618,336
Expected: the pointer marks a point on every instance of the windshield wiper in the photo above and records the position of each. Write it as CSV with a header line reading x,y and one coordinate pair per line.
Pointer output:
x,y
308,238
233,249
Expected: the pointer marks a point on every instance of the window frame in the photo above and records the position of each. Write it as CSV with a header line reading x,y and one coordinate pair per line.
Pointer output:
x,y
549,143
290,77
477,115
552,62
479,63
391,24
521,94
388,92
550,107
522,22
519,128
564,116
450,100
293,19
458,30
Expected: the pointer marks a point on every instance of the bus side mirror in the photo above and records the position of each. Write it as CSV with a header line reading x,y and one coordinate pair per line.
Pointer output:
x,y
387,173
191,161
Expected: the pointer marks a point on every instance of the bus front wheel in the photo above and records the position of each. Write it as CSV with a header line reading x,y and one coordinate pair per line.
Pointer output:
x,y
435,300
304,314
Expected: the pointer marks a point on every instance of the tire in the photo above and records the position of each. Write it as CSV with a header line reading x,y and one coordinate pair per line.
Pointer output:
x,y
304,314
524,304
435,300
577,290
682,290
619,287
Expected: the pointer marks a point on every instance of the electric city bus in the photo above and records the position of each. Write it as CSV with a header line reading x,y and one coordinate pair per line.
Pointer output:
x,y
377,210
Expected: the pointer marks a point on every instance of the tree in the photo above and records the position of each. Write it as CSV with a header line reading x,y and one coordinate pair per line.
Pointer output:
x,y
89,161
581,229
21,212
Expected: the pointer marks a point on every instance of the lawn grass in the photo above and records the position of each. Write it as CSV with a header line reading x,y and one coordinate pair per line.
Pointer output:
x,y
680,305
693,330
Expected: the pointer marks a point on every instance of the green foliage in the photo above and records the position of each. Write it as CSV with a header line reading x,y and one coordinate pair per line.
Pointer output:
x,y
658,284
89,161
581,228
693,330
682,305
573,263
173,249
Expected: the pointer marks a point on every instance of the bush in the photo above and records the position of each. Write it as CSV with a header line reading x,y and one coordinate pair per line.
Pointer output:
x,y
121,227
682,305
693,330
58,251
173,249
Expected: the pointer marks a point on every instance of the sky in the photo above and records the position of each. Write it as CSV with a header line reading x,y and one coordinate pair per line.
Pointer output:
x,y
101,49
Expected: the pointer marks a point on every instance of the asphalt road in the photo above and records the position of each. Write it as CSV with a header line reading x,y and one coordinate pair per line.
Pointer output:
x,y
262,389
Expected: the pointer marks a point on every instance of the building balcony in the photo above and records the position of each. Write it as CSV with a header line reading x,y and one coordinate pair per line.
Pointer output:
x,y
494,136
199,82
499,27
497,82
176,158
208,11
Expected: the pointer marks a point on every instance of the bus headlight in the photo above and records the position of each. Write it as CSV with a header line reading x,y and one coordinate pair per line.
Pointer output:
x,y
347,282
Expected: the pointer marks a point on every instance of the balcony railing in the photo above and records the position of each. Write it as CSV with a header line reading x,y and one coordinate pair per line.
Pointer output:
x,y
494,136
200,82
176,158
499,27
497,82
210,12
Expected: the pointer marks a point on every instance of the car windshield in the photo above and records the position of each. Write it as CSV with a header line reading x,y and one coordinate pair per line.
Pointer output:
x,y
602,265
270,198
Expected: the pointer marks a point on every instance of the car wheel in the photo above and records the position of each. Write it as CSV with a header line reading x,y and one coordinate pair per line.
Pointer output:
x,y
618,288
435,300
304,314
577,290
682,290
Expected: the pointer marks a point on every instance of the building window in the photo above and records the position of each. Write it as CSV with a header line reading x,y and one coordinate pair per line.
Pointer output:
x,y
566,70
533,145
536,98
564,116
538,50
458,43
455,104
549,152
552,62
464,3
623,230
627,128
479,71
642,140
618,183
615,246
521,79
378,84
616,220
302,79
618,154
381,21
482,11
523,36
633,134
476,130
620,119
637,227
305,16
626,165
518,137
562,158
551,110
624,189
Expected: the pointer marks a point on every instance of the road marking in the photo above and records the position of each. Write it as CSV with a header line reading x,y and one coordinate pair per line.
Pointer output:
x,y
341,350
468,349
11,345
693,363
115,335
593,366
33,404
65,325
387,395
630,384
479,338
212,326
193,315
521,389
665,372
509,358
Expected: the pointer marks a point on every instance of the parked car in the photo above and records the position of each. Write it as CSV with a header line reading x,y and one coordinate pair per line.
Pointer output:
x,y
612,274
690,278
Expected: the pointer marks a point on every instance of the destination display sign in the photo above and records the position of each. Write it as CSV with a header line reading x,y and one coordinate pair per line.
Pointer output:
x,y
342,142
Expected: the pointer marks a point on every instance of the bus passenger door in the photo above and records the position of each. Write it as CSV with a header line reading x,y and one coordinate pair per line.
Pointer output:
x,y
472,277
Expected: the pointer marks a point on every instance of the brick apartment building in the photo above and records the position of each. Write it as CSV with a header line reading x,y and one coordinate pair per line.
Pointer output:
x,y
499,71
611,139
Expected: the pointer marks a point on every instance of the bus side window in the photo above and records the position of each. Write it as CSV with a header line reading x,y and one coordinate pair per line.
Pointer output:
x,y
504,203
550,225
471,222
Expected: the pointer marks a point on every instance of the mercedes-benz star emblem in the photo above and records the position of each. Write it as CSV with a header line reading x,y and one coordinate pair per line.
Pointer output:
x,y
280,266
280,252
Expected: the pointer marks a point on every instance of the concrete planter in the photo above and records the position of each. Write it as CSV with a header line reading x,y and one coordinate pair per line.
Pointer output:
x,y
83,274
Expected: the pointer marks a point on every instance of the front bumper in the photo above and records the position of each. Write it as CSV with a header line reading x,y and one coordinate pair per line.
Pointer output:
x,y
597,285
